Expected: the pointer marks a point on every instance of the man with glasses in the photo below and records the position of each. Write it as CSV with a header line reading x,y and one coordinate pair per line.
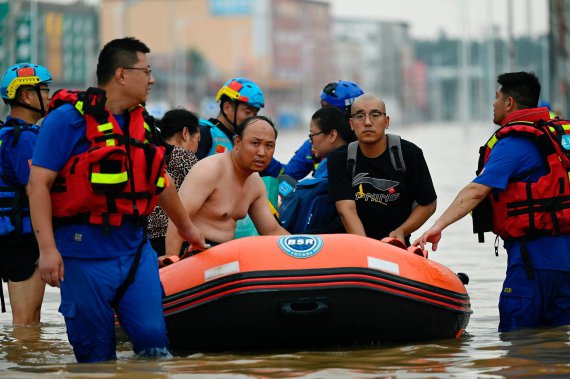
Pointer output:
x,y
375,199
96,174
24,87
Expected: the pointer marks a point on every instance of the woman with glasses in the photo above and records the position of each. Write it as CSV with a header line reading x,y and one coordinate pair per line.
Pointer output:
x,y
308,209
328,130
181,133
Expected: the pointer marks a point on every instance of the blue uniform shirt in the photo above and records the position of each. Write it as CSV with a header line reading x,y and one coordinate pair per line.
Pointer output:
x,y
513,157
63,136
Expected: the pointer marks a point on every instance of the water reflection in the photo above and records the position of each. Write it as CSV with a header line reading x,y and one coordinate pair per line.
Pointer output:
x,y
523,349
43,350
33,345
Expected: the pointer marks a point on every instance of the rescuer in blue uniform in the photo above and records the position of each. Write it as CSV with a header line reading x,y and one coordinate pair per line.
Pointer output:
x,y
239,99
25,88
94,238
523,180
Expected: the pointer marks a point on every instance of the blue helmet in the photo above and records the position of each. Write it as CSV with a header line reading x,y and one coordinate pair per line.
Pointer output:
x,y
22,74
545,104
243,90
341,94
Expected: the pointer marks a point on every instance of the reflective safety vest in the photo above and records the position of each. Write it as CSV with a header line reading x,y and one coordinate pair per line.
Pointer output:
x,y
532,209
14,208
220,141
121,173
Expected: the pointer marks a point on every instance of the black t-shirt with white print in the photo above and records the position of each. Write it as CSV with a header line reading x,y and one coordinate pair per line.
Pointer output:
x,y
384,198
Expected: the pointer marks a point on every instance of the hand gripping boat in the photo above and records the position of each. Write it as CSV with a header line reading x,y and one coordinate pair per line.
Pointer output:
x,y
309,291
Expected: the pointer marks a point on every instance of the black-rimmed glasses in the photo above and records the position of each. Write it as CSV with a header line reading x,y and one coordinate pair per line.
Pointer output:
x,y
146,70
374,116
40,89
314,134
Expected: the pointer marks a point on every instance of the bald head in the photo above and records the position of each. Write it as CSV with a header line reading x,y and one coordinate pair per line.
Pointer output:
x,y
367,98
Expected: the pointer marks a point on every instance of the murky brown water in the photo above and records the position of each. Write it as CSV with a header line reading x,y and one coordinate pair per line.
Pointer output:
x,y
451,154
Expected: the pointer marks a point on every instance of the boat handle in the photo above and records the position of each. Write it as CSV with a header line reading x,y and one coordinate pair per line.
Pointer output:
x,y
304,308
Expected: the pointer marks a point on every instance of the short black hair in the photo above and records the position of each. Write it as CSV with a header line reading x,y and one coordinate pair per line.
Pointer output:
x,y
175,120
250,120
522,86
332,118
121,52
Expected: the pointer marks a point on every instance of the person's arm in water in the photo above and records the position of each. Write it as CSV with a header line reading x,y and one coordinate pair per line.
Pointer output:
x,y
38,189
261,215
420,214
349,217
467,199
170,202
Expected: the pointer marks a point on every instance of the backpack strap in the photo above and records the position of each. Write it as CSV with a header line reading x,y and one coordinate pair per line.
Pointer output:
x,y
395,149
16,132
351,158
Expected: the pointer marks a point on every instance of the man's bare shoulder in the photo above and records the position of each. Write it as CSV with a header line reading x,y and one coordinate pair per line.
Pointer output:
x,y
206,170
214,163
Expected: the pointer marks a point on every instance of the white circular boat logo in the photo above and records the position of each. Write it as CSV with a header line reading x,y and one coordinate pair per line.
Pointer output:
x,y
300,246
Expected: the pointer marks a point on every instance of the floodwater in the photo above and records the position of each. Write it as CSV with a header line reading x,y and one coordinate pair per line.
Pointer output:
x,y
450,151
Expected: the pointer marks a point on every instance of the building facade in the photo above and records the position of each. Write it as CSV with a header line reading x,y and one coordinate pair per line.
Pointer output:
x,y
283,45
378,55
62,38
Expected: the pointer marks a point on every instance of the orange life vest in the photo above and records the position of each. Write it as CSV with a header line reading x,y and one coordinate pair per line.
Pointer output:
x,y
121,173
539,208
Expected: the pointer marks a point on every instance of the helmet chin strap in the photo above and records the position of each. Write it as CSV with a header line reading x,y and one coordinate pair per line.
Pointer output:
x,y
41,110
234,122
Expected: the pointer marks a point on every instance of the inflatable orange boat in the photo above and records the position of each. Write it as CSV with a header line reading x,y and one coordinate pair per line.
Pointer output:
x,y
310,291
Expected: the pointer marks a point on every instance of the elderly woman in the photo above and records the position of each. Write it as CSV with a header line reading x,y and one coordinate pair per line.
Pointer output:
x,y
181,134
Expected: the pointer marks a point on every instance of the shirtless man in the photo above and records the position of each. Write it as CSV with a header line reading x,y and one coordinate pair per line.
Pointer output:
x,y
223,188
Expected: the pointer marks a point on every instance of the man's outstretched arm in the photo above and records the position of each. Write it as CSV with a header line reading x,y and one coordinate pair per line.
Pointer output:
x,y
420,214
467,199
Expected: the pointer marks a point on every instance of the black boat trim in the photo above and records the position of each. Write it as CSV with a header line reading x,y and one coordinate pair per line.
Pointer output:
x,y
323,279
